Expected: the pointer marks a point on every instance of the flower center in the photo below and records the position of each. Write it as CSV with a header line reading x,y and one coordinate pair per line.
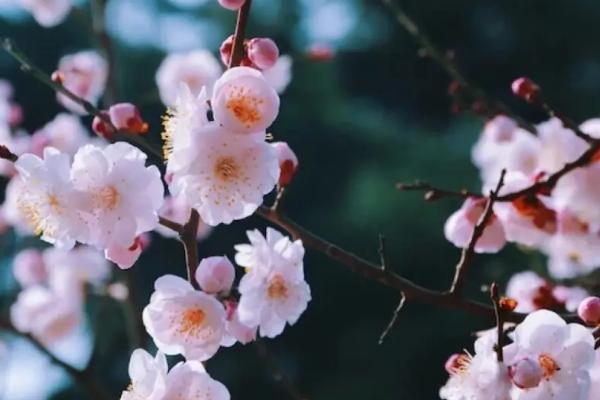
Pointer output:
x,y
30,213
245,107
549,366
54,204
108,197
192,321
226,169
277,289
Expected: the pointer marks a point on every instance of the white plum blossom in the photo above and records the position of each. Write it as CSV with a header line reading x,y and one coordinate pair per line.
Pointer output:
x,y
579,192
182,320
47,198
243,101
460,225
44,314
188,380
122,194
196,69
480,376
148,376
558,146
65,133
570,296
226,175
235,330
565,352
47,13
273,291
503,145
279,75
85,74
531,291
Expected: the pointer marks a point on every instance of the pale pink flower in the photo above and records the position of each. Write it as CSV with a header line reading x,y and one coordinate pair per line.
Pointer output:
x,y
579,192
83,73
47,13
531,291
226,175
48,201
565,352
29,268
125,256
189,380
65,133
460,225
273,291
243,101
196,69
570,296
123,195
45,315
126,117
235,330
148,376
184,321
176,209
558,146
595,379
279,75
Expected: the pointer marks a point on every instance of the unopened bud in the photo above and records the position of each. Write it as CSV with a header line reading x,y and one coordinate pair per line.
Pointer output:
x,y
508,304
226,49
288,162
126,117
589,310
101,127
263,52
215,274
232,4
58,77
526,89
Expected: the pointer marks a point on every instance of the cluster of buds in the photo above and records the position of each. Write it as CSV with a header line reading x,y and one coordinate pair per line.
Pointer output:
x,y
124,117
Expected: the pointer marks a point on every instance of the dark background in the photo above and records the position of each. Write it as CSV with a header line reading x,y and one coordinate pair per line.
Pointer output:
x,y
377,114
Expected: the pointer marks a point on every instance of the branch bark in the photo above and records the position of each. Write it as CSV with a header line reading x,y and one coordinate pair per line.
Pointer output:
x,y
237,51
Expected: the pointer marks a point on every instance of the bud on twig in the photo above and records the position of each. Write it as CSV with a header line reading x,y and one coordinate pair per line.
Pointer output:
x,y
526,89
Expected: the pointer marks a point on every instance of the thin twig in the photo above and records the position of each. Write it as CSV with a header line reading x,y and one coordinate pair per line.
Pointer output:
x,y
499,312
174,226
434,193
469,251
451,67
382,250
393,320
279,373
237,51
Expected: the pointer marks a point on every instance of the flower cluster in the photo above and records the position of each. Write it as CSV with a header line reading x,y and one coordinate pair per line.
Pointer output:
x,y
547,359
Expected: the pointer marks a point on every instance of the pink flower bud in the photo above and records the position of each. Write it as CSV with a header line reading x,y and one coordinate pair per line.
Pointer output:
x,y
101,128
589,310
288,162
232,4
526,373
58,77
454,363
29,268
225,50
526,89
263,52
215,274
126,117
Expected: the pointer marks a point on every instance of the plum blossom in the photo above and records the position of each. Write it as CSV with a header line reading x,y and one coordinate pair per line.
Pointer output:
x,y
279,75
184,321
47,197
273,291
85,74
44,314
460,225
215,274
565,352
478,377
47,13
243,101
558,146
578,191
148,376
65,133
196,69
189,380
262,52
126,256
122,195
226,175
29,268
235,330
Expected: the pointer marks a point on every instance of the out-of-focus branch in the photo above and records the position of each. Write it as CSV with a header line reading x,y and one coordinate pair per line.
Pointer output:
x,y
237,51
495,296
106,47
29,67
469,251
450,66
82,377
433,193
187,236
393,320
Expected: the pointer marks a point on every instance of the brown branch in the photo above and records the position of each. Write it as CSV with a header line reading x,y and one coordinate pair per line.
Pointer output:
x,y
499,312
82,377
450,66
279,373
7,155
187,236
372,271
237,51
174,226
393,320
469,251
433,193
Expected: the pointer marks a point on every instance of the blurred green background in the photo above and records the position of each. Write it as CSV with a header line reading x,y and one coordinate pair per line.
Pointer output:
x,y
375,115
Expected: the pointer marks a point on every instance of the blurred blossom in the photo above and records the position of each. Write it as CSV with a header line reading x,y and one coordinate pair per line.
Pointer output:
x,y
279,75
132,21
84,73
328,20
179,32
47,13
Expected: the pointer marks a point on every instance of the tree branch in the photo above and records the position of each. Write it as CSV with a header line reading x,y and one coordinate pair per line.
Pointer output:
x,y
433,193
187,236
469,251
237,51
